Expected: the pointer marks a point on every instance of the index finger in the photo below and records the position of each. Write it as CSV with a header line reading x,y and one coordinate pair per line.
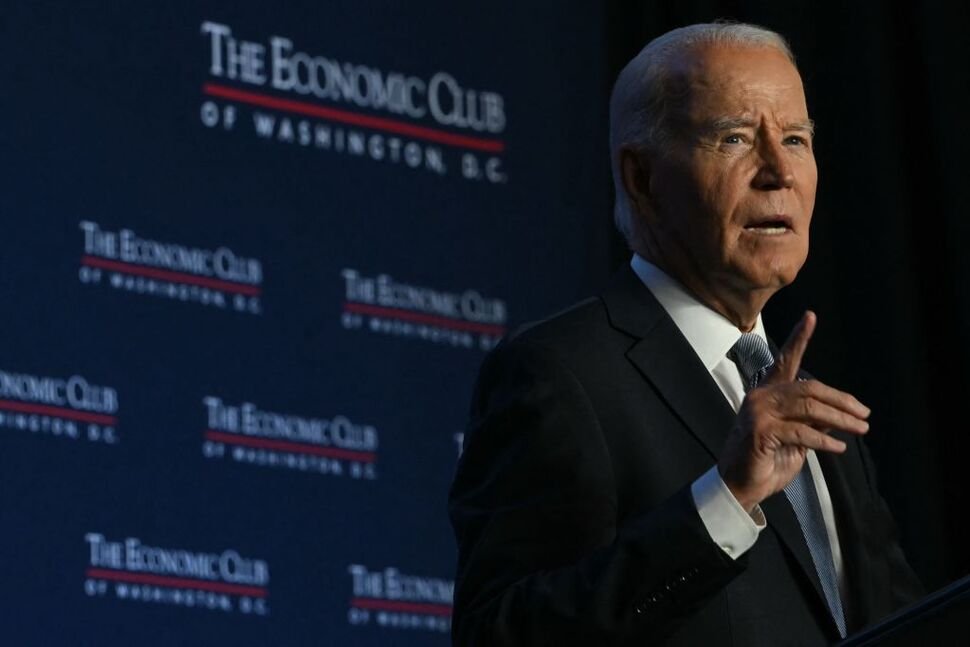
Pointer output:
x,y
790,357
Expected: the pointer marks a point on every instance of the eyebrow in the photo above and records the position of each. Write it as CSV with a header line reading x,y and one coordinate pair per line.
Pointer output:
x,y
730,123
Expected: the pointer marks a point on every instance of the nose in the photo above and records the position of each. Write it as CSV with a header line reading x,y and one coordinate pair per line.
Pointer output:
x,y
775,170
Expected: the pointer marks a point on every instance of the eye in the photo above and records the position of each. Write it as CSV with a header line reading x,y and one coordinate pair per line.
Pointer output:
x,y
796,140
733,138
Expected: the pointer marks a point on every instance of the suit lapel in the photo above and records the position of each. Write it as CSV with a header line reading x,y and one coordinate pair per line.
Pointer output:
x,y
665,358
781,518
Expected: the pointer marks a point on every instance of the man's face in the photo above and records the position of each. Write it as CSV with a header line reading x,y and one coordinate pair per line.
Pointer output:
x,y
732,197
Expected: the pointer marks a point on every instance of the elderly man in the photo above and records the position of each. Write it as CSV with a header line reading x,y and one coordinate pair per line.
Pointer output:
x,y
642,469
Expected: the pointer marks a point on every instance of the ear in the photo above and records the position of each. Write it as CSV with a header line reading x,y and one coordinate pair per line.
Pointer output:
x,y
635,171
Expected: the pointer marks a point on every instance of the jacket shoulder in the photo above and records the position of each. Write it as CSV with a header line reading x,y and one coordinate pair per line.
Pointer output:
x,y
575,326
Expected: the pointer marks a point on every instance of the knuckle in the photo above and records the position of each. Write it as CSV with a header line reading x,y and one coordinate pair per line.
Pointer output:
x,y
847,401
762,426
777,397
766,443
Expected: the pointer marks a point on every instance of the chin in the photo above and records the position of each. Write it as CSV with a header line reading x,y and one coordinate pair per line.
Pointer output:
x,y
773,278
781,270
782,277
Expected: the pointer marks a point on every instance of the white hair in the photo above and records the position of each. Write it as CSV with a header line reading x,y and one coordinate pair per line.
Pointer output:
x,y
643,92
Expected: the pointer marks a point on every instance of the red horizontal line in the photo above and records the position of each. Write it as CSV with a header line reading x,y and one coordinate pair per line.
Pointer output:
x,y
57,412
176,582
167,275
289,446
394,605
418,317
355,119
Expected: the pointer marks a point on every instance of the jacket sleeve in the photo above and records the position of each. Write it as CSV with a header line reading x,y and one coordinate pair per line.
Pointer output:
x,y
543,558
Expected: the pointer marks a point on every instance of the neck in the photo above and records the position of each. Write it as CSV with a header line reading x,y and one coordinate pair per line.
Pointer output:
x,y
740,307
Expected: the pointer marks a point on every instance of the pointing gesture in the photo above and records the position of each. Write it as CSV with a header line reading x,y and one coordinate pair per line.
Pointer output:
x,y
781,419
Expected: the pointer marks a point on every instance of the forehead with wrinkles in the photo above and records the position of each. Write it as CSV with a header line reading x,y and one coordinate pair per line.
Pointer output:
x,y
717,88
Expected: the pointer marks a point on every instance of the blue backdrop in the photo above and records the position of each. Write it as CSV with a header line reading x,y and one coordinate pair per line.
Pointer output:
x,y
252,255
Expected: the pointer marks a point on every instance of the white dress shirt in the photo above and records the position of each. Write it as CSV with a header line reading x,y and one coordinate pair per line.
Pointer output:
x,y
711,336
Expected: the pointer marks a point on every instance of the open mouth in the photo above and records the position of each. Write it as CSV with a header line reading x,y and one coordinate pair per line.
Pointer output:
x,y
770,226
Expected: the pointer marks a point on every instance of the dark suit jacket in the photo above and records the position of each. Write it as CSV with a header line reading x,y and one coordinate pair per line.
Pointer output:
x,y
572,505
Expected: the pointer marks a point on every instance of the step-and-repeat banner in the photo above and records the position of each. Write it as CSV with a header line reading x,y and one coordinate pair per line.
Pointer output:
x,y
251,257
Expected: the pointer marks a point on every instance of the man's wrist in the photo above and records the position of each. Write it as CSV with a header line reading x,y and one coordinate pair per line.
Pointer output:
x,y
741,495
732,528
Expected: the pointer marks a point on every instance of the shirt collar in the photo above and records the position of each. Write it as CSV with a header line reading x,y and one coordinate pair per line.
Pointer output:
x,y
708,332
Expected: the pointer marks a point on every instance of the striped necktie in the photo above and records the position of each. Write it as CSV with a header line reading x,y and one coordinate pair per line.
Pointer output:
x,y
753,358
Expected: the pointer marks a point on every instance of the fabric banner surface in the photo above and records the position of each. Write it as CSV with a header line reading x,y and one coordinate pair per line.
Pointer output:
x,y
252,257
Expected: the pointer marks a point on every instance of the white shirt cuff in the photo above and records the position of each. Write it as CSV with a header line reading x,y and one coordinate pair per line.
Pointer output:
x,y
731,528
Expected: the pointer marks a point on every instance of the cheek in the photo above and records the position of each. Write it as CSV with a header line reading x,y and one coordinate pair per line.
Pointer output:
x,y
809,202
724,185
721,203
699,199
808,186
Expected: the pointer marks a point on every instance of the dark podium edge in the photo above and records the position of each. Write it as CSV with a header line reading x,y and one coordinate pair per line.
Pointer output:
x,y
912,617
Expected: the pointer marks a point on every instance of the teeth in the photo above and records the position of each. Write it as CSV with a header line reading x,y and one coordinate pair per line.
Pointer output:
x,y
769,231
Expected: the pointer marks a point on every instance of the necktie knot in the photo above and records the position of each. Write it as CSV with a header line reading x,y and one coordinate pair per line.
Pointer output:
x,y
753,357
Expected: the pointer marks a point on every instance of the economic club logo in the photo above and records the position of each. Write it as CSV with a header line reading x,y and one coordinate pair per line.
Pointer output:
x,y
394,600
382,305
287,96
123,260
246,433
133,571
72,408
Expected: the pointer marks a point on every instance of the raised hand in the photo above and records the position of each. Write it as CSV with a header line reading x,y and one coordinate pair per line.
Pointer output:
x,y
781,420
